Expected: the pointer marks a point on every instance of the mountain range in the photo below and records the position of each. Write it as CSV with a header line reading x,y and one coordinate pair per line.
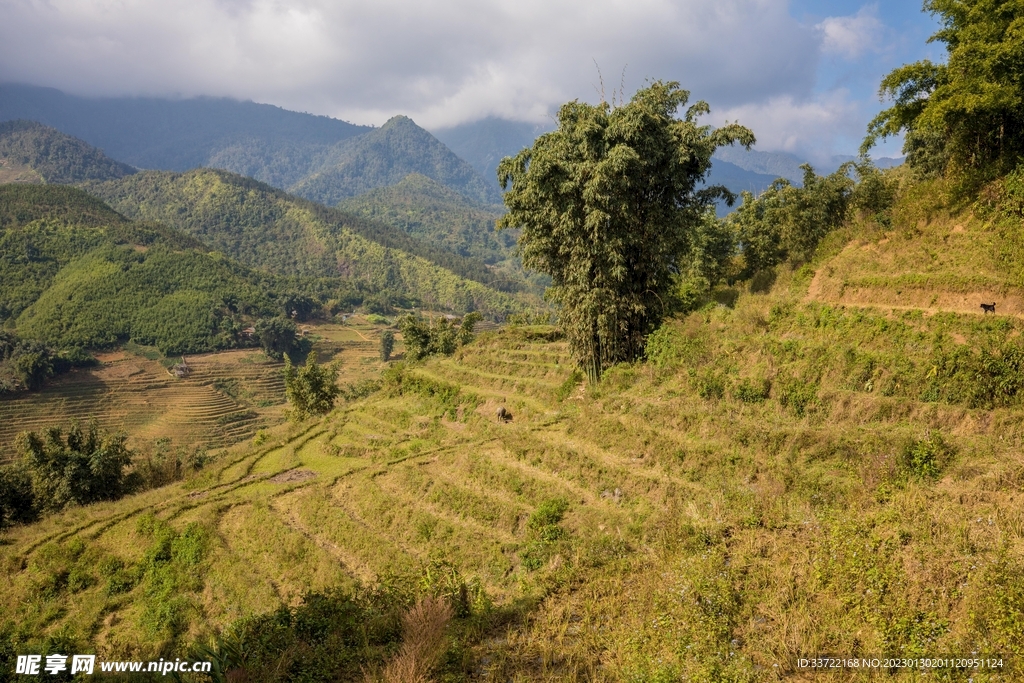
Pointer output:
x,y
324,159
314,157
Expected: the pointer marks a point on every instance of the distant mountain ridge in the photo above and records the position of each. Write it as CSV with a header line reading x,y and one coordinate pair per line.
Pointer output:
x,y
385,156
486,142
316,157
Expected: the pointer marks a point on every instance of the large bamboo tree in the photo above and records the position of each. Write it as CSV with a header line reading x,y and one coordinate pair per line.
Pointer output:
x,y
607,204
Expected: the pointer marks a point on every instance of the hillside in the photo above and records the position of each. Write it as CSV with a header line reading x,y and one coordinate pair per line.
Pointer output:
x,y
758,491
32,152
437,215
935,256
386,155
268,229
74,273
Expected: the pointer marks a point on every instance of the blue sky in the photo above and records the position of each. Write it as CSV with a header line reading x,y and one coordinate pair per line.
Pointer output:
x,y
905,30
803,75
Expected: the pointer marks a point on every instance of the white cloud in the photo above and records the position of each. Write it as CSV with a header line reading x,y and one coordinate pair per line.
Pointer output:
x,y
441,62
851,36
809,128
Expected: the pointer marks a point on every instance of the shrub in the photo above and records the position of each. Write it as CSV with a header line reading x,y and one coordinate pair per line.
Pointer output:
x,y
797,394
17,500
82,467
925,458
709,385
752,390
311,388
543,532
387,345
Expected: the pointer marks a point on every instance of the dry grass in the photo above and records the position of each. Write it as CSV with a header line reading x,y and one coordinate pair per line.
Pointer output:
x,y
423,642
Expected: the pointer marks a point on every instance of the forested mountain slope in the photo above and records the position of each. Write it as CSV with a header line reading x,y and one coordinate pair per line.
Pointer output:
x,y
271,230
316,157
32,152
74,273
436,214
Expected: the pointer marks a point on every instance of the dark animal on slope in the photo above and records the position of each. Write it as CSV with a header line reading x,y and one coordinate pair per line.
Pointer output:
x,y
989,308
504,415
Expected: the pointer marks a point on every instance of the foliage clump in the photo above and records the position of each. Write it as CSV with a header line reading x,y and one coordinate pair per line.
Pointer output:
x,y
279,337
76,466
966,115
786,222
312,388
387,345
609,205
440,337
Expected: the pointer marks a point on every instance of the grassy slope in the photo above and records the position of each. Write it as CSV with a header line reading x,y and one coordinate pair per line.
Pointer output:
x,y
268,229
933,257
718,526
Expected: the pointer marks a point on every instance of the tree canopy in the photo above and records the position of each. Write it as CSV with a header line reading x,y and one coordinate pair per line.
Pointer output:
x,y
609,204
970,110
311,388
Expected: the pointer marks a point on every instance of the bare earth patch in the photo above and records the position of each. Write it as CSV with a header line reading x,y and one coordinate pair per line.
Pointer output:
x,y
293,476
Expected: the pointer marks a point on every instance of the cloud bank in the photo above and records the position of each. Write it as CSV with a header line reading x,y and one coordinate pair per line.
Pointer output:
x,y
442,62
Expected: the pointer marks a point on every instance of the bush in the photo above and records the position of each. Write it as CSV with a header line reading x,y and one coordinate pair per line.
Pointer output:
x,y
927,457
17,500
709,385
797,394
543,532
82,467
387,345
987,378
311,388
752,391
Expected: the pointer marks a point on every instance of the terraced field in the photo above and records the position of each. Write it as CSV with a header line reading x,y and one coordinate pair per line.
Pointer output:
x,y
140,397
224,400
714,529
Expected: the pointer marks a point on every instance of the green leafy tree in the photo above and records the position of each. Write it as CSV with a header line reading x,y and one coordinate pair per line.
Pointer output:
x,y
17,501
79,467
787,222
441,337
970,110
387,345
311,388
277,336
608,205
